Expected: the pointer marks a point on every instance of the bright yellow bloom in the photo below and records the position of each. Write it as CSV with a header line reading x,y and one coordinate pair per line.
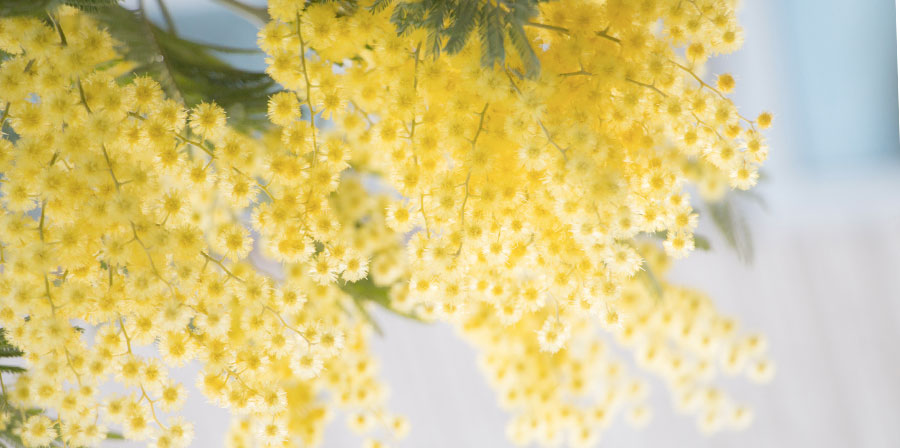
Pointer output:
x,y
525,219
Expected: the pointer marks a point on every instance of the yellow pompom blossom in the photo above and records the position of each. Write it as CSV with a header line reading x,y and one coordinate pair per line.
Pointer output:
x,y
528,197
572,394
523,210
126,212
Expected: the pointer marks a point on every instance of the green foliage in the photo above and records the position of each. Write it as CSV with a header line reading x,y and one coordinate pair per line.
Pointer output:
x,y
450,24
8,351
365,290
462,26
23,7
16,415
189,71
490,31
733,226
37,7
91,5
651,282
701,242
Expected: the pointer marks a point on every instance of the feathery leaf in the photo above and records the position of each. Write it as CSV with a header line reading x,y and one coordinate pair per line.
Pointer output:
x,y
380,5
91,5
11,369
523,48
464,18
491,31
733,227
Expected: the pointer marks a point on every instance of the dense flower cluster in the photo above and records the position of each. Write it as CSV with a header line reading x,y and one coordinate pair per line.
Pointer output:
x,y
574,393
125,212
529,197
524,213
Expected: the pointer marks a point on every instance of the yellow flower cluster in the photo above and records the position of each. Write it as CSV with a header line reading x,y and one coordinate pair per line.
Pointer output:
x,y
574,393
528,188
527,198
127,213
523,216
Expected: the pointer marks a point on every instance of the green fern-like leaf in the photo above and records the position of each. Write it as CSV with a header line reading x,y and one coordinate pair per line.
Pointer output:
x,y
408,16
463,20
491,33
11,369
189,71
9,429
434,21
366,290
23,7
651,281
8,351
380,5
520,42
450,23
39,7
733,227
701,242
91,5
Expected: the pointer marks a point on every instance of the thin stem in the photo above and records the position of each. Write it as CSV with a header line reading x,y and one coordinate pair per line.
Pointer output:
x,y
82,96
462,208
605,34
285,324
699,80
228,49
547,27
62,36
706,85
237,376
264,189
148,28
424,217
195,143
255,15
258,183
167,16
649,86
412,130
221,266
5,115
480,124
109,165
462,213
706,125
41,221
141,385
71,367
361,111
552,142
150,258
581,72
59,427
312,112
541,123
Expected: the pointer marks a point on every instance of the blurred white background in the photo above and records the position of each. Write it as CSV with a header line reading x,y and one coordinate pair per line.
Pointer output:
x,y
824,285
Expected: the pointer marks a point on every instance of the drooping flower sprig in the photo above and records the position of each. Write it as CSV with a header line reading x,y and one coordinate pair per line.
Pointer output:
x,y
524,210
529,198
126,212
